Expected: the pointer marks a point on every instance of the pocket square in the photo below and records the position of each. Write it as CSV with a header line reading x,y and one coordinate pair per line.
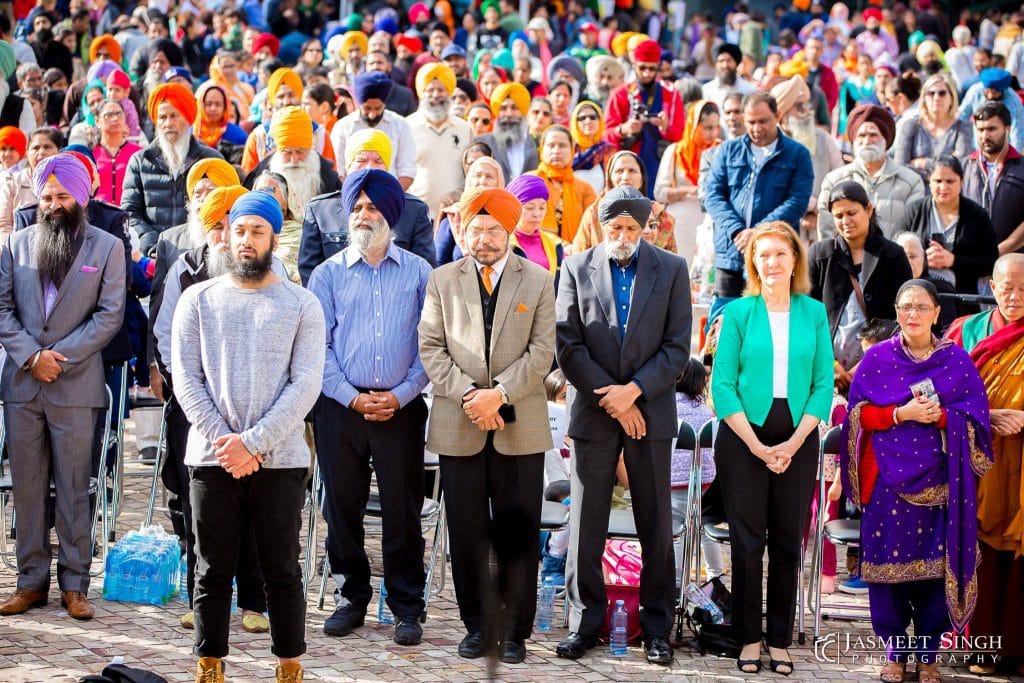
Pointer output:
x,y
90,269
521,308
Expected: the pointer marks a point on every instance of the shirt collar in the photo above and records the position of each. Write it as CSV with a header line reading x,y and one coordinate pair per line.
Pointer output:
x,y
352,255
498,266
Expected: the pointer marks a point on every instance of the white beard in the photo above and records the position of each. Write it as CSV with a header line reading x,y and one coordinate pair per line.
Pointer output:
x,y
435,114
303,181
507,137
196,231
803,131
174,153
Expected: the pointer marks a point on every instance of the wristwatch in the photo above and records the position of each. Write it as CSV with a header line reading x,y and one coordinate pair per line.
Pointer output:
x,y
504,394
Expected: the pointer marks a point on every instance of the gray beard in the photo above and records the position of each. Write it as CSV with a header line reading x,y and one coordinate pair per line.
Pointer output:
x,y
56,244
374,238
622,251
869,154
196,231
303,179
174,153
803,131
510,135
218,261
436,113
598,93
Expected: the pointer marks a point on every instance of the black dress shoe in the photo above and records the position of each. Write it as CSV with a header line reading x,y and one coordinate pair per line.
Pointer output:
x,y
512,651
408,631
575,645
344,621
658,651
472,646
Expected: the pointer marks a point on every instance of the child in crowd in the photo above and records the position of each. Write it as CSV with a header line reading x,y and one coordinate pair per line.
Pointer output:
x,y
555,545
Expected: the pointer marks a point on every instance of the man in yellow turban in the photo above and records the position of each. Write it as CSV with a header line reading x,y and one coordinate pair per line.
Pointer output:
x,y
484,417
514,150
440,137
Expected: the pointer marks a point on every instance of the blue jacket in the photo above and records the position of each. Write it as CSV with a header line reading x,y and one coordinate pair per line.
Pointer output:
x,y
781,192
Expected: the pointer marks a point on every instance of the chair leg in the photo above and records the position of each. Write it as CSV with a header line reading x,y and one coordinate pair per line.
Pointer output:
x,y
325,570
157,465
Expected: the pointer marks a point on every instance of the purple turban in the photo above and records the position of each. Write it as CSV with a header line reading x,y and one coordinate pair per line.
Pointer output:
x,y
381,187
373,85
526,188
71,173
100,70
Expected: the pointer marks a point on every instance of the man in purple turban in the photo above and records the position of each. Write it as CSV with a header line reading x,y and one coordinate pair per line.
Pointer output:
x,y
62,298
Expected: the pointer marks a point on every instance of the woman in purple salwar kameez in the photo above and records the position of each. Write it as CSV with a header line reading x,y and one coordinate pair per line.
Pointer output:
x,y
914,444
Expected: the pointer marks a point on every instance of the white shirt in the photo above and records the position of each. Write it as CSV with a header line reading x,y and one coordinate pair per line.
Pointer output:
x,y
403,155
498,267
761,155
438,158
516,155
779,323
714,91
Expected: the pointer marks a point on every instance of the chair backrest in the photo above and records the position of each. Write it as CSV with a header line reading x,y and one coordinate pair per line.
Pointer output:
x,y
830,444
687,440
707,434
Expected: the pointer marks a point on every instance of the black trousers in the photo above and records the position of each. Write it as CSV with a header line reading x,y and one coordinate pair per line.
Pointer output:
x,y
486,494
175,476
729,283
764,508
345,444
273,500
648,465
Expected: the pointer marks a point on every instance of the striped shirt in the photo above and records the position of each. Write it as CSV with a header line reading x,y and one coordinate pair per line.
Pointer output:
x,y
372,313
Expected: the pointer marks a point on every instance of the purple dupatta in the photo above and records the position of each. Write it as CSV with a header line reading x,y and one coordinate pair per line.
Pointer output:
x,y
915,461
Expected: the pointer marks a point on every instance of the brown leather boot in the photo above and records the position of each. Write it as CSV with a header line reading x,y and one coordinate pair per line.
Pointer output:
x,y
77,605
210,670
21,601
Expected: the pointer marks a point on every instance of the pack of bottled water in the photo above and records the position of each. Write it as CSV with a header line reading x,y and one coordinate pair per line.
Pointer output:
x,y
144,567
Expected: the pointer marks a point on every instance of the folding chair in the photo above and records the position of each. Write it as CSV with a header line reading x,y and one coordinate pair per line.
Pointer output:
x,y
158,461
97,488
845,532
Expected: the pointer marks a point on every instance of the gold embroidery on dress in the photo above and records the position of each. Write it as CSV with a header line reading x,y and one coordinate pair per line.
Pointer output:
x,y
961,611
979,462
901,572
853,467
932,496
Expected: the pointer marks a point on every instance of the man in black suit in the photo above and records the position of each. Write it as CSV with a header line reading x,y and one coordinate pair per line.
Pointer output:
x,y
325,225
623,321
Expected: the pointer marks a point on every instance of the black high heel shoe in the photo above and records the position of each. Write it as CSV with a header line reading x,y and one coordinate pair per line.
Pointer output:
x,y
774,664
756,663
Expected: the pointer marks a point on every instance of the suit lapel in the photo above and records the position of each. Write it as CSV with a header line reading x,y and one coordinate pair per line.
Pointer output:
x,y
867,266
37,280
73,272
643,283
471,296
601,274
507,290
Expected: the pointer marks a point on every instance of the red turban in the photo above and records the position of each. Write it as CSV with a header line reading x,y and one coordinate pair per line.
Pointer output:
x,y
266,40
178,96
13,137
648,52
871,13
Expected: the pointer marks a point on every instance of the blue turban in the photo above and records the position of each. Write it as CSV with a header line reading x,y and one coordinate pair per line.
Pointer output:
x,y
258,204
997,79
71,173
566,63
381,187
372,85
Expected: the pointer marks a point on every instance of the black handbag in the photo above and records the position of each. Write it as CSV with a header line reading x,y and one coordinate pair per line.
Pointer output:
x,y
711,637
119,673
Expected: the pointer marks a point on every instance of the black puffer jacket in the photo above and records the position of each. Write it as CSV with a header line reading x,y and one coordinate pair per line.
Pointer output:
x,y
153,199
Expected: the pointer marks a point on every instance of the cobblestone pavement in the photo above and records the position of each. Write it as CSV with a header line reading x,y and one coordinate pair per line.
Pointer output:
x,y
47,645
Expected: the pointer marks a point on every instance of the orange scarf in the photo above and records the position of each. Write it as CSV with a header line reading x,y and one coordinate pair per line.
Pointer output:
x,y
208,131
572,208
242,93
690,148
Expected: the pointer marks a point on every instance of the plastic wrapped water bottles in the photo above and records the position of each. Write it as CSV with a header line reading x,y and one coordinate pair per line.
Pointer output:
x,y
619,636
234,595
701,599
144,567
546,603
384,615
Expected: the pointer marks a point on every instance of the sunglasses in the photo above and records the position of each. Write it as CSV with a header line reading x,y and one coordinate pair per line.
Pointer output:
x,y
937,93
474,119
587,117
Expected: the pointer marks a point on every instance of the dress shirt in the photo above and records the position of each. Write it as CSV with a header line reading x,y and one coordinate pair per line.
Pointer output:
x,y
622,287
372,313
499,268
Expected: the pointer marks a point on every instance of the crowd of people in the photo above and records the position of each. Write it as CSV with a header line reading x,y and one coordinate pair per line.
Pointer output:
x,y
418,228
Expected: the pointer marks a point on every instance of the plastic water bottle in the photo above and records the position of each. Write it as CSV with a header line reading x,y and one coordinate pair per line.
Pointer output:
x,y
234,596
700,599
183,579
546,603
384,615
619,631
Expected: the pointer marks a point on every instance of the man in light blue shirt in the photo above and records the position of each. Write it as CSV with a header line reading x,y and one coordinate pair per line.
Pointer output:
x,y
372,293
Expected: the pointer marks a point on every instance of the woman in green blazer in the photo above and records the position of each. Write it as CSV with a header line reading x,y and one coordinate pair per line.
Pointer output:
x,y
772,384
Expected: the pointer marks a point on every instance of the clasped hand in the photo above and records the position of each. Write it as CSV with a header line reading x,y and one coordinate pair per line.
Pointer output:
x,y
1007,421
920,409
376,406
481,406
47,367
619,401
778,458
234,457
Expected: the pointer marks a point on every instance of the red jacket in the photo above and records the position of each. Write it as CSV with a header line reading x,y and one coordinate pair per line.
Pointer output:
x,y
827,84
619,109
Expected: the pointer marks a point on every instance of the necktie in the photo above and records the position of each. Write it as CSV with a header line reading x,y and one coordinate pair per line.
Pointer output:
x,y
486,273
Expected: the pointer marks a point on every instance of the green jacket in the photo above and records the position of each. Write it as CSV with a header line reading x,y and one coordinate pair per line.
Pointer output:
x,y
741,381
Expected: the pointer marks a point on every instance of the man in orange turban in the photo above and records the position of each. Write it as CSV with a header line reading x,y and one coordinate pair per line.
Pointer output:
x,y
105,47
484,417
513,148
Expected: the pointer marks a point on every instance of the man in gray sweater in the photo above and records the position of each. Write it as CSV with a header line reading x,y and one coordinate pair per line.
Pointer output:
x,y
248,355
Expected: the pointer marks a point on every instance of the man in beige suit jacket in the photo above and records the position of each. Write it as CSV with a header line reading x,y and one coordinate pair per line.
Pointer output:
x,y
487,338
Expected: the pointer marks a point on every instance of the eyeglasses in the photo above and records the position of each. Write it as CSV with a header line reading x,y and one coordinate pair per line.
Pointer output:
x,y
587,117
111,115
920,309
937,93
482,121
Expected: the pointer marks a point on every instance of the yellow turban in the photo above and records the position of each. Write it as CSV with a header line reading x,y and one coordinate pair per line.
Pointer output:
x,y
351,39
292,127
517,91
620,41
635,40
499,204
217,205
796,66
438,70
368,140
220,172
284,76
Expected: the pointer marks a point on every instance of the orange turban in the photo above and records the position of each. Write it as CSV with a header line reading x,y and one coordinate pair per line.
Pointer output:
x,y
291,127
284,76
438,70
13,137
499,204
217,205
178,96
517,91
220,172
106,40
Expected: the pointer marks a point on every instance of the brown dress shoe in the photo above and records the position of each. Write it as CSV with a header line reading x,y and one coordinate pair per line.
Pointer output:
x,y
21,601
77,605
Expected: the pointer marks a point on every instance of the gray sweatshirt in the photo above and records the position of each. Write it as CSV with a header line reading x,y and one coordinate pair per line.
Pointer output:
x,y
248,362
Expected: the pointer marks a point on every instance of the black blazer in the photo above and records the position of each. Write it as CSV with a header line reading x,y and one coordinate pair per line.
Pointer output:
x,y
975,247
884,269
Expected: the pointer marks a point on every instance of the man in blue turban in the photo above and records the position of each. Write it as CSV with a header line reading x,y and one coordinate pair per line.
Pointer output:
x,y
256,220
380,187
994,86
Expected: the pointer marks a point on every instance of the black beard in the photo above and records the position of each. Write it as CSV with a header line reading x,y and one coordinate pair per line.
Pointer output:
x,y
727,77
57,242
251,270
371,121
